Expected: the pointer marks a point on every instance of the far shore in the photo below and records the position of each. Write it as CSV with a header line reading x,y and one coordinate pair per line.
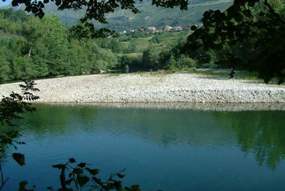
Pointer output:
x,y
233,107
152,88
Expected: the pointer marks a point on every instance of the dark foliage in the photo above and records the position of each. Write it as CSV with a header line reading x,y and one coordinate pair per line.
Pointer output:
x,y
16,104
248,35
75,176
87,30
94,9
11,109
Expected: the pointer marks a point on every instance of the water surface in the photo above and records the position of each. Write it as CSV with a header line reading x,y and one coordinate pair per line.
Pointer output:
x,y
161,149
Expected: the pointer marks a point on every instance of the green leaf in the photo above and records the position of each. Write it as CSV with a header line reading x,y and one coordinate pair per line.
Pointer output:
x,y
133,188
69,181
81,165
82,180
22,185
72,160
93,171
59,166
77,171
19,158
120,175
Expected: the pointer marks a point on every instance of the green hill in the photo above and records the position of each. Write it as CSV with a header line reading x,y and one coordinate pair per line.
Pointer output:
x,y
149,15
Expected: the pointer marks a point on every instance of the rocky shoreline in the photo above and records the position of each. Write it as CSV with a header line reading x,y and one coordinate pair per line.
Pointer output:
x,y
152,88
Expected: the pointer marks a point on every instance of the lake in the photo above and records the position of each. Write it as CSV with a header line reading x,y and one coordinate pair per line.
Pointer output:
x,y
160,149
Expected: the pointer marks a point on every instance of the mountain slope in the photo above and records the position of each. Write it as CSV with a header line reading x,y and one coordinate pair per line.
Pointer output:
x,y
149,15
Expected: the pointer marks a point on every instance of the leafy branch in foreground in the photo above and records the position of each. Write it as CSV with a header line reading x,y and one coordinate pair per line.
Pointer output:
x,y
12,108
15,104
75,176
94,9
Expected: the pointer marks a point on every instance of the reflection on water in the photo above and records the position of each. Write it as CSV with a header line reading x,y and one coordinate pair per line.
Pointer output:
x,y
160,148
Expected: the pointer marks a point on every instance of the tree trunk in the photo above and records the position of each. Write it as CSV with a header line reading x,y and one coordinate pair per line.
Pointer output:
x,y
30,52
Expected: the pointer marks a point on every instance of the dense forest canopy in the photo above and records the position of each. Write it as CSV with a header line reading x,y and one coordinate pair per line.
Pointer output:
x,y
246,36
27,54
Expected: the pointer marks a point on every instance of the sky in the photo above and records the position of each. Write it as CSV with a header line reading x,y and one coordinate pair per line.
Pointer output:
x,y
4,3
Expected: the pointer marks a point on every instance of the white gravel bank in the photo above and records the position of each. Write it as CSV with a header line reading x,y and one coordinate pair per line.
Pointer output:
x,y
146,88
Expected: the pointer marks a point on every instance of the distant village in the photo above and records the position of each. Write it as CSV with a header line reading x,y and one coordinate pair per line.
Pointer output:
x,y
153,29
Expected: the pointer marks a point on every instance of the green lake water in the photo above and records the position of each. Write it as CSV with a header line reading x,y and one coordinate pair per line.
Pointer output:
x,y
160,149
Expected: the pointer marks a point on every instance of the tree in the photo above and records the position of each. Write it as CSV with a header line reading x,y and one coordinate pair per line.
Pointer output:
x,y
4,67
97,10
23,68
248,35
94,9
150,59
27,53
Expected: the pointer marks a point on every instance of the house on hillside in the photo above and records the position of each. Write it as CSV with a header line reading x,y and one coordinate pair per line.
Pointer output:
x,y
151,29
178,28
167,28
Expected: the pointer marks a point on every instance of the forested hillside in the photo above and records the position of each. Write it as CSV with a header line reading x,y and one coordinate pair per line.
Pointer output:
x,y
29,54
33,48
